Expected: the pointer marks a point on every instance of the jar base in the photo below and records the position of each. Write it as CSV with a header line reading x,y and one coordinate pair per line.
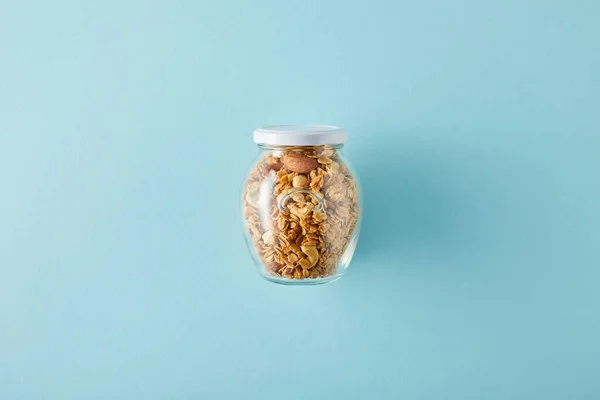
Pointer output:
x,y
301,282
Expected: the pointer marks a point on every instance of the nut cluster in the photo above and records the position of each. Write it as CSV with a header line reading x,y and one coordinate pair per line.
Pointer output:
x,y
301,211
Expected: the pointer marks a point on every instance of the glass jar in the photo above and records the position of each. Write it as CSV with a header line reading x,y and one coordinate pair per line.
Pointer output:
x,y
301,205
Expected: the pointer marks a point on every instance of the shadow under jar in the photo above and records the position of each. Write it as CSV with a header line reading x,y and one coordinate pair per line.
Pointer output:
x,y
301,205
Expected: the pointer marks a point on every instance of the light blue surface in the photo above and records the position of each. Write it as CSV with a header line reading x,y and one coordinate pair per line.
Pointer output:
x,y
126,127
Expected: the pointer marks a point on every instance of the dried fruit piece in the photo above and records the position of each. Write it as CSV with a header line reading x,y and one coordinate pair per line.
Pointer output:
x,y
299,163
273,167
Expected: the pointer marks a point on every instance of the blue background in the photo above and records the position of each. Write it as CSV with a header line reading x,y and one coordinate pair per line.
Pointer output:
x,y
125,131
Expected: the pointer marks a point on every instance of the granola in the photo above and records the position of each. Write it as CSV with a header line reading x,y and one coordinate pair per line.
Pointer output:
x,y
301,211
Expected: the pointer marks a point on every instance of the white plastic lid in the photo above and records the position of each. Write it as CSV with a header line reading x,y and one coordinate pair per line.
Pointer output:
x,y
300,135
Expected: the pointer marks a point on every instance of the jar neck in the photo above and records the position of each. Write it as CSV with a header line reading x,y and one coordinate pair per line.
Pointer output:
x,y
300,148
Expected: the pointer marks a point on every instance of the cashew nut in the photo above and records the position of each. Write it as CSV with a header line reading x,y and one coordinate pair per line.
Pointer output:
x,y
312,253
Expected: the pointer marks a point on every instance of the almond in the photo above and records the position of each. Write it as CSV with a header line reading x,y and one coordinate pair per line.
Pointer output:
x,y
299,163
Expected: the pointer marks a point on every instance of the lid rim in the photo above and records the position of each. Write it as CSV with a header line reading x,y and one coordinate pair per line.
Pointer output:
x,y
300,135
